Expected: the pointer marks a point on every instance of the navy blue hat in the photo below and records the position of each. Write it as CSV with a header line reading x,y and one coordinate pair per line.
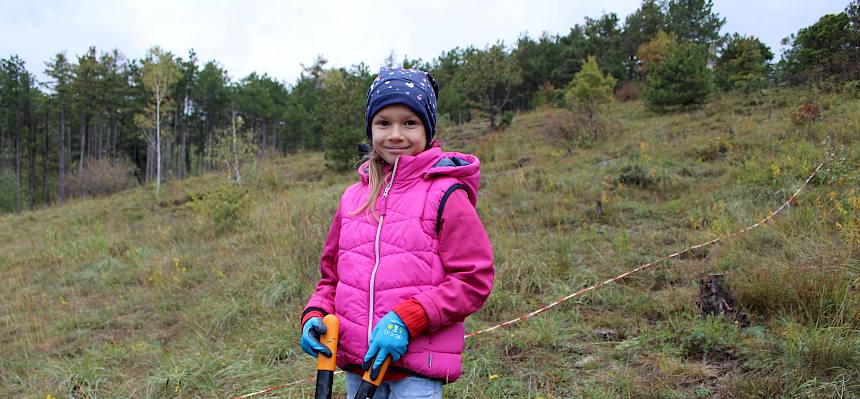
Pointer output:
x,y
413,88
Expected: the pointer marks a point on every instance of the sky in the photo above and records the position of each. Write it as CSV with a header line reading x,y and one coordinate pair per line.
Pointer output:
x,y
277,37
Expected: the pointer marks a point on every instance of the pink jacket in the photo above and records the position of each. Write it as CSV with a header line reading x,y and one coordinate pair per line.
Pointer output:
x,y
369,267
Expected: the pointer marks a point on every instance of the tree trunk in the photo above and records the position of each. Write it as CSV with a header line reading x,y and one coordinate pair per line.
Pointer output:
x,y
275,140
183,164
82,148
68,147
208,150
61,178
265,135
235,152
45,149
158,147
31,163
17,171
150,165
107,139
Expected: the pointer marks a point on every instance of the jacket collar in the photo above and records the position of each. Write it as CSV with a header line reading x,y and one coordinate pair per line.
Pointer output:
x,y
410,167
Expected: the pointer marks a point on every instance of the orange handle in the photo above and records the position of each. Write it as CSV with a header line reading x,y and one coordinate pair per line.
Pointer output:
x,y
329,339
382,371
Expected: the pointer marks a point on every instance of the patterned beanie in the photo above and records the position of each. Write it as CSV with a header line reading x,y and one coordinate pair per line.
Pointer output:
x,y
413,88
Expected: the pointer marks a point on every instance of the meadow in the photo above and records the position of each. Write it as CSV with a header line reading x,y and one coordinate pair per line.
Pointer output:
x,y
198,293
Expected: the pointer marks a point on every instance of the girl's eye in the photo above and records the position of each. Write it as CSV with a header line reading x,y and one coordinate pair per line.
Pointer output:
x,y
382,123
411,123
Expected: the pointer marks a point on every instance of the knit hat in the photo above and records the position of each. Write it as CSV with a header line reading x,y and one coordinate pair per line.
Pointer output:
x,y
413,88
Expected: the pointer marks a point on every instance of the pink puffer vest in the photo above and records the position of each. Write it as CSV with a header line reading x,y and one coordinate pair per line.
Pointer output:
x,y
380,265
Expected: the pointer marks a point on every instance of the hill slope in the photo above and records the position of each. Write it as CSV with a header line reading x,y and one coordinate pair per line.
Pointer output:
x,y
199,293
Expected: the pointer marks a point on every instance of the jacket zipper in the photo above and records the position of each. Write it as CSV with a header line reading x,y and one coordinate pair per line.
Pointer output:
x,y
376,249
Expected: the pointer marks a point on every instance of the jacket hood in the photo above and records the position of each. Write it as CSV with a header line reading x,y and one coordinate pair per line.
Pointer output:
x,y
433,162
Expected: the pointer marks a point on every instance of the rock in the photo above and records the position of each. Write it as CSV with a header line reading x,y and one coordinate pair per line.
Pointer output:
x,y
605,163
523,161
585,361
606,334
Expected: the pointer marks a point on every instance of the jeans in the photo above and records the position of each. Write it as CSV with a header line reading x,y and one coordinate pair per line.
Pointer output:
x,y
409,387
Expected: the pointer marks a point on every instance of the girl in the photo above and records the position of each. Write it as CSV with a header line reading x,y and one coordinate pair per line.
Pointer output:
x,y
406,259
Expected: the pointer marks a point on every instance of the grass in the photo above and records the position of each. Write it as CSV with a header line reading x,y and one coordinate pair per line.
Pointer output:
x,y
199,292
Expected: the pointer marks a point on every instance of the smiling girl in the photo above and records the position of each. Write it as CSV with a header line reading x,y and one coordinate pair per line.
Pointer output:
x,y
407,258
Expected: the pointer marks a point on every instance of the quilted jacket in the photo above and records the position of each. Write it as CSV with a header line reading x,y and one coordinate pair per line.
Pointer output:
x,y
368,266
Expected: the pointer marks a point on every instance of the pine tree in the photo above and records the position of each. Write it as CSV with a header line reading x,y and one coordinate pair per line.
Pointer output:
x,y
342,114
590,88
743,64
682,78
488,79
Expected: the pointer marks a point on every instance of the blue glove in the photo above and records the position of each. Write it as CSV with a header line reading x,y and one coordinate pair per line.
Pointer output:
x,y
389,337
311,332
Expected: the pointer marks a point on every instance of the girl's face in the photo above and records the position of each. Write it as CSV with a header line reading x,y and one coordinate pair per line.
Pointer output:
x,y
396,130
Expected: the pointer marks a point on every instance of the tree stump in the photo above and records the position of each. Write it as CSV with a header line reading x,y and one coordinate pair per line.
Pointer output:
x,y
715,299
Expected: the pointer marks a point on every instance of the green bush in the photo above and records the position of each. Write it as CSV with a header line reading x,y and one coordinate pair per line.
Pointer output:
x,y
224,207
714,338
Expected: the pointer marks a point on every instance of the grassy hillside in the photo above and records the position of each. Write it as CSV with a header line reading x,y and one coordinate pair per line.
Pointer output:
x,y
199,293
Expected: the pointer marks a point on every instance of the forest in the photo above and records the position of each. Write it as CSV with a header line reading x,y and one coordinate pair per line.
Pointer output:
x,y
103,122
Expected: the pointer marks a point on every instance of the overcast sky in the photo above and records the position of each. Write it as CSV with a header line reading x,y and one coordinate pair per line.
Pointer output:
x,y
275,37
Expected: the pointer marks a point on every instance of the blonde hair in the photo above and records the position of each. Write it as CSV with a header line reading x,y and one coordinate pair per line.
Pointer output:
x,y
376,179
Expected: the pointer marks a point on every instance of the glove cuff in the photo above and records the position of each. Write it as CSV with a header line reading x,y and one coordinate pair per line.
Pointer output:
x,y
310,313
413,316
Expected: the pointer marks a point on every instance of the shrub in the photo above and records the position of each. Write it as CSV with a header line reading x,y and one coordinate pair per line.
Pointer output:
x,y
714,338
507,119
713,151
805,113
646,174
851,89
628,91
224,207
636,175
100,177
573,129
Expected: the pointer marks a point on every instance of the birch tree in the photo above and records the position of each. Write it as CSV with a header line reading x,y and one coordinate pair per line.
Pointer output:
x,y
160,72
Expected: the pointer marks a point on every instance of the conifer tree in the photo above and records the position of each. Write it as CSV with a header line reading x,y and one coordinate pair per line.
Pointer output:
x,y
682,78
590,88
488,79
743,64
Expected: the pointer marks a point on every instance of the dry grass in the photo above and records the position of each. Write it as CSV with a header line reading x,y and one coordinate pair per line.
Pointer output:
x,y
132,296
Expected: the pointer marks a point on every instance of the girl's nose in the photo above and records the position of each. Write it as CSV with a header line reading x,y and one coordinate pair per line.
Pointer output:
x,y
396,132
